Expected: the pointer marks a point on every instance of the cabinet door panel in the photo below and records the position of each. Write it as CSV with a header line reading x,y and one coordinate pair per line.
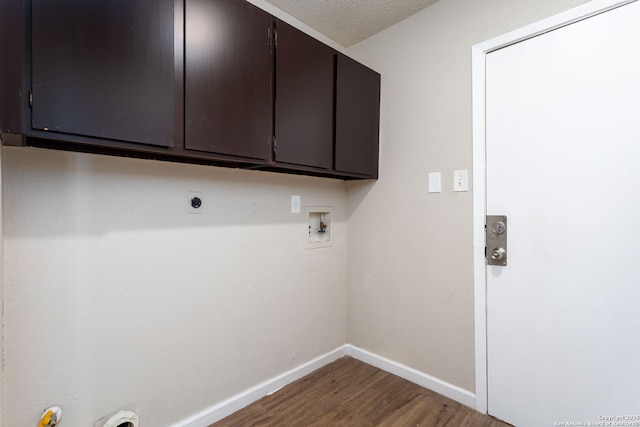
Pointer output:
x,y
228,107
304,99
357,118
104,69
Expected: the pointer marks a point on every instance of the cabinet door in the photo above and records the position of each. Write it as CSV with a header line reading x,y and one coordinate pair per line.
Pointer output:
x,y
357,118
304,99
228,107
104,69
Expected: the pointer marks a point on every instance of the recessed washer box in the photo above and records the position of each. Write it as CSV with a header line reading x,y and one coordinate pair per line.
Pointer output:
x,y
319,226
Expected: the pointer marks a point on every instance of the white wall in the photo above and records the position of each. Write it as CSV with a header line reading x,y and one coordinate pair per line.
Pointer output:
x,y
410,253
116,297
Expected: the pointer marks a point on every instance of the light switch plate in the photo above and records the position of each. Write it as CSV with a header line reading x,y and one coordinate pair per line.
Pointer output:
x,y
435,182
295,204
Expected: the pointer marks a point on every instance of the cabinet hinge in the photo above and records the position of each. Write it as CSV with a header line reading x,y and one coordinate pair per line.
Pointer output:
x,y
275,38
30,99
274,144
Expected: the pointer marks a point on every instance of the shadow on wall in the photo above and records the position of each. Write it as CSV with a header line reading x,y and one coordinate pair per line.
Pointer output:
x,y
358,191
76,193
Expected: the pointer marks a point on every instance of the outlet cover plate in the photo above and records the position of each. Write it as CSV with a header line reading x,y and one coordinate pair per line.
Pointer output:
x,y
461,180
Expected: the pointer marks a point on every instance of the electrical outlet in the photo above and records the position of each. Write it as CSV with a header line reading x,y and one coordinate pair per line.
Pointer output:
x,y
194,200
461,180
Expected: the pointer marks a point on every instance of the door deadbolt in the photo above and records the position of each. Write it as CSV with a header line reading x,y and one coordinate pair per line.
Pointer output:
x,y
498,227
496,240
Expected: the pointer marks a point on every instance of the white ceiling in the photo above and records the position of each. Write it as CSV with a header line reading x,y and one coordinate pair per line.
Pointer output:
x,y
350,21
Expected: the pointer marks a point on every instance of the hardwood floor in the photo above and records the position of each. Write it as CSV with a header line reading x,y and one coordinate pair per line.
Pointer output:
x,y
351,393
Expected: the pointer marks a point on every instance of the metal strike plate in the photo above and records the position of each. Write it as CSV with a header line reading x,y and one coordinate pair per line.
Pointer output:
x,y
496,238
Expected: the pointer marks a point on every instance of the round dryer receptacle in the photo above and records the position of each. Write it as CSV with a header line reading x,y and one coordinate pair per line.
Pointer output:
x,y
122,419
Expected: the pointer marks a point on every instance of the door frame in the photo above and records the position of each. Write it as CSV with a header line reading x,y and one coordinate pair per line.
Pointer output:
x,y
479,53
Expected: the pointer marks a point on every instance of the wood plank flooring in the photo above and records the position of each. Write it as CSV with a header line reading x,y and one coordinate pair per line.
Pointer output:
x,y
351,393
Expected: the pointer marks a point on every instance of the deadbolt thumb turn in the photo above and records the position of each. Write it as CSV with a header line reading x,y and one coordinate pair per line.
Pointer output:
x,y
496,238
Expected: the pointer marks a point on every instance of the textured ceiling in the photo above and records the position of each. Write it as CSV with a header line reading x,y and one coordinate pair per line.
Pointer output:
x,y
350,21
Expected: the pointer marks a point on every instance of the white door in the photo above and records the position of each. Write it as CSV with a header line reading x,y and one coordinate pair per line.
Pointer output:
x,y
563,164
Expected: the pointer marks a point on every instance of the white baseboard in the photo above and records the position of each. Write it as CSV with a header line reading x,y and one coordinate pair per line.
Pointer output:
x,y
427,381
227,407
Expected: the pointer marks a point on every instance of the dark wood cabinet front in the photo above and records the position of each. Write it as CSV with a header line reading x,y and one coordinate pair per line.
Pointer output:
x,y
217,82
357,118
228,65
304,99
104,69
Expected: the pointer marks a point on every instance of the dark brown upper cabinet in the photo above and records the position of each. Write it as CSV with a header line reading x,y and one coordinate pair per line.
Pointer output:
x,y
304,92
104,69
217,82
357,118
228,66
